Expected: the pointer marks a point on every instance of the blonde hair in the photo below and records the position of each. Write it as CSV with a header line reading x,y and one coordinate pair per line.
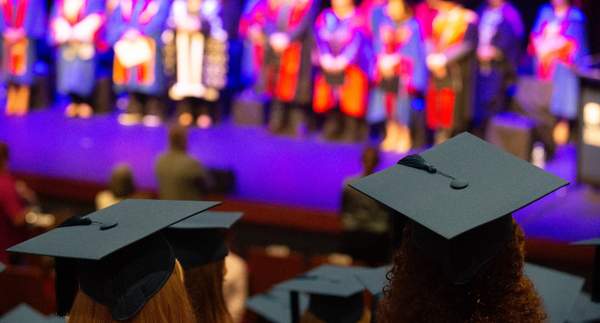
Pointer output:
x,y
170,304
205,287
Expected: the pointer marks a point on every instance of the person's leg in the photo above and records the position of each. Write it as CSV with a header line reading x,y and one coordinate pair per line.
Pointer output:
x,y
11,98
23,94
154,111
135,107
277,115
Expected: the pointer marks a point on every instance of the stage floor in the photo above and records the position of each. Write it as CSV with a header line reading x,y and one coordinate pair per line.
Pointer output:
x,y
302,172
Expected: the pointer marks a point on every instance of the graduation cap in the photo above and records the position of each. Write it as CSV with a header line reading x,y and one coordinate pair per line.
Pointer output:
x,y
336,295
274,305
559,291
374,279
460,195
117,255
584,310
596,269
200,239
24,313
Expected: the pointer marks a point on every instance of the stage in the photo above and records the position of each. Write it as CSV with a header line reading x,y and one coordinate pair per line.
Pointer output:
x,y
305,173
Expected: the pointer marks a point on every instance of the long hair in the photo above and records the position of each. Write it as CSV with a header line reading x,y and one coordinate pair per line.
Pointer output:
x,y
205,287
170,304
417,291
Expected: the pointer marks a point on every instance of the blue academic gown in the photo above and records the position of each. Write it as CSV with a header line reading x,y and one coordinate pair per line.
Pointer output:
x,y
76,75
118,24
494,80
34,25
565,85
414,50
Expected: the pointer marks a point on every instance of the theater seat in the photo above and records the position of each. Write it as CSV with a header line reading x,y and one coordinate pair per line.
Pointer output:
x,y
271,265
27,284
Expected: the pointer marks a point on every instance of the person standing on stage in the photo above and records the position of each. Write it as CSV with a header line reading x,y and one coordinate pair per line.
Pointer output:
x,y
451,62
180,176
400,74
500,34
22,23
74,26
201,49
558,43
342,79
287,69
135,30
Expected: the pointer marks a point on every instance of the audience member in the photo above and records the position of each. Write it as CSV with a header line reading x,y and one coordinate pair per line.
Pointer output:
x,y
12,208
180,176
121,186
365,222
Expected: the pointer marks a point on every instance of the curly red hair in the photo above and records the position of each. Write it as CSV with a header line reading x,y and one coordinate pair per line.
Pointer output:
x,y
417,291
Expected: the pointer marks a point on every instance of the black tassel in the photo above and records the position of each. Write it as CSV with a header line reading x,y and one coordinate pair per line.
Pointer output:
x,y
416,161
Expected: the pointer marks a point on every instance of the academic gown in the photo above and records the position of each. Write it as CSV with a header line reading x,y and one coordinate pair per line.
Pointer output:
x,y
288,77
18,59
449,100
76,62
201,54
558,68
148,17
342,38
394,97
503,29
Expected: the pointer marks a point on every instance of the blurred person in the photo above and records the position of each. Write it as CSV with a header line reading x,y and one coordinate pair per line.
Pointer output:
x,y
134,30
75,26
120,187
201,59
425,12
12,208
500,35
451,63
179,175
235,286
200,244
366,223
286,72
124,269
400,75
22,24
558,43
341,86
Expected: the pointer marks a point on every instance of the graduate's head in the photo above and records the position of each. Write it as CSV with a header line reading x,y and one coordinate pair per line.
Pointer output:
x,y
343,4
561,3
116,264
461,251
398,9
169,304
178,138
495,3
200,244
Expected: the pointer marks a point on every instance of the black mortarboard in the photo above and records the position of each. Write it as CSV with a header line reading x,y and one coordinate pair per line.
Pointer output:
x,y
335,294
374,279
200,239
117,255
274,305
23,313
595,269
558,290
454,188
